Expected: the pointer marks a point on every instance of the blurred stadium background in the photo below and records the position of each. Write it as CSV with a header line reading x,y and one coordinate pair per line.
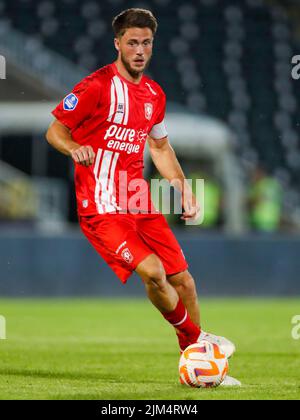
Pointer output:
x,y
233,118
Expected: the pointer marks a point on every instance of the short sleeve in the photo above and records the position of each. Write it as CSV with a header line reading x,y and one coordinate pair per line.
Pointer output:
x,y
159,130
78,105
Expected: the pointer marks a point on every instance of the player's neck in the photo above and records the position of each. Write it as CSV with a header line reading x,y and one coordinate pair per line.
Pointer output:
x,y
124,73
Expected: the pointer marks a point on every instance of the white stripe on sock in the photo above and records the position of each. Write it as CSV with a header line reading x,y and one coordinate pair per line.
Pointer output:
x,y
182,321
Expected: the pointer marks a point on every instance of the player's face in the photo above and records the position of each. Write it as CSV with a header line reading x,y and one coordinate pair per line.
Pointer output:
x,y
135,49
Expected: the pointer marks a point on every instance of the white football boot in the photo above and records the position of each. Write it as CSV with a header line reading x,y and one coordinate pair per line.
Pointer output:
x,y
226,346
229,381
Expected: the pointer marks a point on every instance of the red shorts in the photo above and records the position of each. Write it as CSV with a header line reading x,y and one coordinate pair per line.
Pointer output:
x,y
124,240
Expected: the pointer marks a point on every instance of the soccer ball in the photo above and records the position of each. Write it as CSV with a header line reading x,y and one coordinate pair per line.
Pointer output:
x,y
203,365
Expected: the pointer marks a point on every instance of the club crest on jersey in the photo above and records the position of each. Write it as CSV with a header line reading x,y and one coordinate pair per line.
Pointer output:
x,y
148,111
127,256
70,102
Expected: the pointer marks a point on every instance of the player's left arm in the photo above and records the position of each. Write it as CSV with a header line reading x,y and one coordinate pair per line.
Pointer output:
x,y
166,162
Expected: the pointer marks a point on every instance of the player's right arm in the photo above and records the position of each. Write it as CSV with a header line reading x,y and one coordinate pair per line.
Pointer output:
x,y
59,136
75,109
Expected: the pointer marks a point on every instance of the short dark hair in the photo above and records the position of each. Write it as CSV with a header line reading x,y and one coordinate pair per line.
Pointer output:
x,y
134,18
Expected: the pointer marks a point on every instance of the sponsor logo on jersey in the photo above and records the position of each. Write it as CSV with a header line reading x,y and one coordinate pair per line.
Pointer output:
x,y
70,102
142,136
148,111
127,256
120,133
123,139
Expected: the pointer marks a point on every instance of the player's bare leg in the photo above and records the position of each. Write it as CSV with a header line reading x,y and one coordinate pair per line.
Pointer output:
x,y
158,289
185,286
166,299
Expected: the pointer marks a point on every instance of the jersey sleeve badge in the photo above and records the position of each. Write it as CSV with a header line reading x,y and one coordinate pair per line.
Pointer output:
x,y
70,102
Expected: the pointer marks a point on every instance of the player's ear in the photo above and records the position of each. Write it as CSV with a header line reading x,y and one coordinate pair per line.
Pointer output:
x,y
117,44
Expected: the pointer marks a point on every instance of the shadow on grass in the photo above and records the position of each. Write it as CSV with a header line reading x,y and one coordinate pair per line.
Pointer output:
x,y
43,374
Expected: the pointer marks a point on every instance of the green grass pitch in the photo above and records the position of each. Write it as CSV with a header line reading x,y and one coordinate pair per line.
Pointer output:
x,y
123,349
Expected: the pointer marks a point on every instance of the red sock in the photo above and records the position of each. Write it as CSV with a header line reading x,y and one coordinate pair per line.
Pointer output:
x,y
181,320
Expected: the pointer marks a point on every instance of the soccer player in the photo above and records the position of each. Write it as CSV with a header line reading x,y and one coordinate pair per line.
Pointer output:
x,y
103,125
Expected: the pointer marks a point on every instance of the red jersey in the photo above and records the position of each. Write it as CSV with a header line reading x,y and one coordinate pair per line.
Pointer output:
x,y
115,117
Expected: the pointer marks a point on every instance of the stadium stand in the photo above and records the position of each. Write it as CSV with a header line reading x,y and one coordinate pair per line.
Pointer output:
x,y
229,59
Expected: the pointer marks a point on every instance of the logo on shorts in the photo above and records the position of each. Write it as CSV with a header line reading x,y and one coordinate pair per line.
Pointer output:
x,y
127,256
70,102
121,246
85,204
148,111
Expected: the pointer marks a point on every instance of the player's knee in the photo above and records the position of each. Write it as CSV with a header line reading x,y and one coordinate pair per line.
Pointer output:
x,y
155,275
185,282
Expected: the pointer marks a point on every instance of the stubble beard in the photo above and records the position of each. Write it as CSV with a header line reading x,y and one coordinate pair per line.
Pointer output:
x,y
134,73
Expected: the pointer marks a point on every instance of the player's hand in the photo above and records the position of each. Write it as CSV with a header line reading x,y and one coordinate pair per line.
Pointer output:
x,y
83,155
191,208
